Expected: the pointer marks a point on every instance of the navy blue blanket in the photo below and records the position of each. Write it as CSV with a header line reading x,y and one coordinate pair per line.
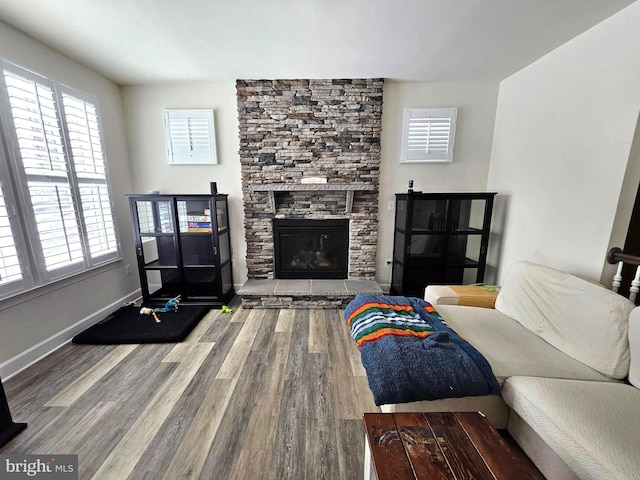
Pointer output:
x,y
410,354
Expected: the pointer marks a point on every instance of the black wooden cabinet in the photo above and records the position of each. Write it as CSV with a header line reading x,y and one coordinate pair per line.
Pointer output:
x,y
439,238
183,248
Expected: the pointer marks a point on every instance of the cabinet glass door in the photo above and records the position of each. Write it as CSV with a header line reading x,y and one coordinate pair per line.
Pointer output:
x,y
401,214
221,216
461,276
194,216
154,216
157,253
428,215
426,249
224,244
427,242
467,214
197,248
464,249
194,220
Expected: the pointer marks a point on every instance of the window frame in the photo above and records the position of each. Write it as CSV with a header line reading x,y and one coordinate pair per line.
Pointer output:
x,y
16,190
409,155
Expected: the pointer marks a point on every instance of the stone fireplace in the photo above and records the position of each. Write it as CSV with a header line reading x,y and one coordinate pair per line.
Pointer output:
x,y
310,149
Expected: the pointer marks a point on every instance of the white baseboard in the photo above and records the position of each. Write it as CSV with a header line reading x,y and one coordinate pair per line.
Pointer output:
x,y
30,356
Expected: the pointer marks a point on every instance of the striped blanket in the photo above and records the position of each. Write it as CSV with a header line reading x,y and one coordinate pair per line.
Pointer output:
x,y
411,354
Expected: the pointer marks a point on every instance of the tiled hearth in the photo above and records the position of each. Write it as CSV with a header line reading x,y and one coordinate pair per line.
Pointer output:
x,y
303,293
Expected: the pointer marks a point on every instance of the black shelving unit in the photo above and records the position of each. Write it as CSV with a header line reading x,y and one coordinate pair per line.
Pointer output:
x,y
439,238
183,248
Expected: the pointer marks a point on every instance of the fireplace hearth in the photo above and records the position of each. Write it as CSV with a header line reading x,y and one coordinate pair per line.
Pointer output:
x,y
311,249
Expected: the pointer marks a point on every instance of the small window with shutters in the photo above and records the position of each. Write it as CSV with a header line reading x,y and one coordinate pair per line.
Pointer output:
x,y
190,136
428,135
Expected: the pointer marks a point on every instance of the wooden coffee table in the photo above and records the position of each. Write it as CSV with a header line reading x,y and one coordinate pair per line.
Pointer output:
x,y
442,446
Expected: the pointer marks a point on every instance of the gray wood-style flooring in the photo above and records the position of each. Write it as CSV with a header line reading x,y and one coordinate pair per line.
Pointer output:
x,y
259,394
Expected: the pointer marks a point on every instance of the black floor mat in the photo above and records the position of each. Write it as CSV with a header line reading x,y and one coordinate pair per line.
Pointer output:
x,y
128,325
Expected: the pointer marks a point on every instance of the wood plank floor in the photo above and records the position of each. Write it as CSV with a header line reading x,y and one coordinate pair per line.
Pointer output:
x,y
259,394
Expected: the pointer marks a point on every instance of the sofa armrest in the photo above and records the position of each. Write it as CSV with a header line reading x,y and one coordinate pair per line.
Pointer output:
x,y
467,295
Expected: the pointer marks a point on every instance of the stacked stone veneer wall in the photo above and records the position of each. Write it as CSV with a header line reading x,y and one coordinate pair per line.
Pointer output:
x,y
290,129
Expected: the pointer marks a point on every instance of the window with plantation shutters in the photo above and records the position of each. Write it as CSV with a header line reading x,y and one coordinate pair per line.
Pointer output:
x,y
190,136
85,140
428,134
63,211
45,175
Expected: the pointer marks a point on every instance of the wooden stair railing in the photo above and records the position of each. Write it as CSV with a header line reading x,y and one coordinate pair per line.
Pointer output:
x,y
617,256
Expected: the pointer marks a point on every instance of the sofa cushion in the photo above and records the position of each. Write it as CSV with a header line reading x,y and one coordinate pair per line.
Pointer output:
x,y
580,318
590,425
510,348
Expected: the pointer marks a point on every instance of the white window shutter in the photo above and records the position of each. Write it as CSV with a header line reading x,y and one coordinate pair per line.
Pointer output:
x,y
89,162
42,155
428,135
190,136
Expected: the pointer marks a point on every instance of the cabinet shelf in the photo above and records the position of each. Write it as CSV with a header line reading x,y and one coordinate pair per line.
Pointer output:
x,y
439,238
462,262
157,265
471,231
440,260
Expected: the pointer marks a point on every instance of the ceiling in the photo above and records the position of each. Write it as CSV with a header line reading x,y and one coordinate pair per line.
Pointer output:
x,y
156,41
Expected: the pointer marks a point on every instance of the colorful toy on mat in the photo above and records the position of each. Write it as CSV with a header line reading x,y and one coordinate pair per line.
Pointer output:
x,y
149,311
170,306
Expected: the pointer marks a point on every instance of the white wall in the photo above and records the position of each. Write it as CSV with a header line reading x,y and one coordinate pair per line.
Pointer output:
x,y
144,105
468,172
36,317
564,130
143,110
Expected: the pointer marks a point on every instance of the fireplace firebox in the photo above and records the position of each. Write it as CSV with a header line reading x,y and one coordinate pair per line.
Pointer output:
x,y
311,248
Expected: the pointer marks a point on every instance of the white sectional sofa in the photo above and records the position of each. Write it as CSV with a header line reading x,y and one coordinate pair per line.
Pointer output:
x,y
567,355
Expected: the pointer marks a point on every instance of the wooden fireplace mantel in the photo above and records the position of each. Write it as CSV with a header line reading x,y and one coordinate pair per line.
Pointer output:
x,y
272,188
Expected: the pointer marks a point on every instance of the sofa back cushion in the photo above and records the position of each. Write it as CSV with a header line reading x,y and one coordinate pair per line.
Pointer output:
x,y
634,345
578,317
